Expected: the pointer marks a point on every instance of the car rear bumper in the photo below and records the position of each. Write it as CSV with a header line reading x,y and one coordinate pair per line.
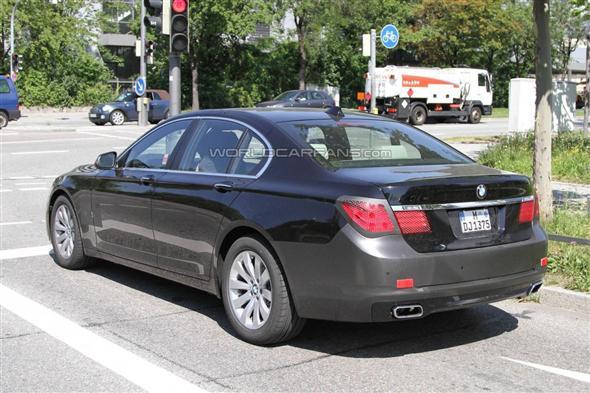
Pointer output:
x,y
353,278
14,114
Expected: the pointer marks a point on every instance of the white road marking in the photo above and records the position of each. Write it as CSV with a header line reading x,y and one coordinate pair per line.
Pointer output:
x,y
107,135
15,223
8,133
23,153
5,190
106,353
49,140
33,189
554,370
21,177
31,184
25,252
49,176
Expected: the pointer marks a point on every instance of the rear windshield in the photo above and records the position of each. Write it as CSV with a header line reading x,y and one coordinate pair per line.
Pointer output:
x,y
370,143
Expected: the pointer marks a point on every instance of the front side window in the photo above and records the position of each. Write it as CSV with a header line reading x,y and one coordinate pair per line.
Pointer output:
x,y
126,96
155,150
286,96
481,80
370,143
4,88
212,147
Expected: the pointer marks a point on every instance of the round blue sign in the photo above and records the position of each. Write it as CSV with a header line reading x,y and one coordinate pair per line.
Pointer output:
x,y
389,36
140,86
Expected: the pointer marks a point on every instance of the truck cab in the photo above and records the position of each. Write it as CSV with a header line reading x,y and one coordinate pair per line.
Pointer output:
x,y
9,101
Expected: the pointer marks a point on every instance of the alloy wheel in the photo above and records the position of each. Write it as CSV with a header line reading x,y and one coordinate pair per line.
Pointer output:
x,y
250,290
64,231
117,118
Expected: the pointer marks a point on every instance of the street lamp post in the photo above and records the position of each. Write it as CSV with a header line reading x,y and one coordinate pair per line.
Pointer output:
x,y
12,37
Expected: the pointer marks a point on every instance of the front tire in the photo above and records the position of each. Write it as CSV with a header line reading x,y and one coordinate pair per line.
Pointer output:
x,y
117,118
475,115
255,294
65,236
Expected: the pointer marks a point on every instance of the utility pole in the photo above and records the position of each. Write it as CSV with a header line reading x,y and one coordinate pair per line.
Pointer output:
x,y
372,66
142,107
12,37
174,80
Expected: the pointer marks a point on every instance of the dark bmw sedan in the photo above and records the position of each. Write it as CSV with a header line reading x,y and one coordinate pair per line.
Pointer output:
x,y
294,214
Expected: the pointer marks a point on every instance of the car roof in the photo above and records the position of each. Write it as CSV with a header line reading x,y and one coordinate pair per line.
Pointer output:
x,y
280,115
163,93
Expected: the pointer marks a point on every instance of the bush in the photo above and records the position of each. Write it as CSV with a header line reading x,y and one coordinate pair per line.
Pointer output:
x,y
571,155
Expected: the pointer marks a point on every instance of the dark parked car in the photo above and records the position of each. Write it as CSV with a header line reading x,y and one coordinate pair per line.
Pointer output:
x,y
124,108
9,105
299,99
295,214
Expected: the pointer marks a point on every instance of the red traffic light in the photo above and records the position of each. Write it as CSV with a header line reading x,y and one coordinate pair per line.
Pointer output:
x,y
179,6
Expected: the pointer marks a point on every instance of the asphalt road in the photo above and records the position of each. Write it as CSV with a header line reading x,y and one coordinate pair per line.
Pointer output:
x,y
112,329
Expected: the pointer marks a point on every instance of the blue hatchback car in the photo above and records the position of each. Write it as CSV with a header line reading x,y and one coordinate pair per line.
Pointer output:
x,y
9,105
124,108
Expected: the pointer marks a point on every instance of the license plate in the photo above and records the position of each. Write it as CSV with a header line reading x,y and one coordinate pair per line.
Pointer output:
x,y
93,115
475,220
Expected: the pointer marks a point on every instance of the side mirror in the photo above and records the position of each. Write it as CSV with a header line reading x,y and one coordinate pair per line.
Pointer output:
x,y
106,160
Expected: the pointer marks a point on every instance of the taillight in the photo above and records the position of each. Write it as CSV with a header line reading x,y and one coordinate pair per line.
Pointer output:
x,y
371,216
527,211
412,222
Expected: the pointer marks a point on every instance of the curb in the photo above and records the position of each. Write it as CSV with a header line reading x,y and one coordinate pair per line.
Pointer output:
x,y
564,298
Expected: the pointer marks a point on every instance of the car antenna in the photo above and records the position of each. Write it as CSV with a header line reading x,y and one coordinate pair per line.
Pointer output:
x,y
335,111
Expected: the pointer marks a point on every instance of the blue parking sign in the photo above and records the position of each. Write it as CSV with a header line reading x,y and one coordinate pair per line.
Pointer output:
x,y
389,36
140,86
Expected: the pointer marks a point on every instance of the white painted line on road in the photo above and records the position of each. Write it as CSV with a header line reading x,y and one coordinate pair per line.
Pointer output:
x,y
2,224
25,252
21,177
554,370
33,189
5,190
49,140
110,355
31,184
107,135
8,133
49,176
23,153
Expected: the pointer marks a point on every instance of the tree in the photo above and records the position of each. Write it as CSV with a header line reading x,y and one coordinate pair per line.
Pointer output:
x,y
567,30
543,74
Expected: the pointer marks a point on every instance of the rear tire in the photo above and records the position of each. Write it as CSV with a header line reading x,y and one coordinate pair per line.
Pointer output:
x,y
65,236
418,115
255,294
475,115
3,119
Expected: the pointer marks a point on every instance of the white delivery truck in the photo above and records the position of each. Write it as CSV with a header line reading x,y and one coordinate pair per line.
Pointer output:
x,y
418,93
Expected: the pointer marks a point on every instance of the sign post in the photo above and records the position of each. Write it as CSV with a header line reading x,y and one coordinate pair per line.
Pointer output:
x,y
372,66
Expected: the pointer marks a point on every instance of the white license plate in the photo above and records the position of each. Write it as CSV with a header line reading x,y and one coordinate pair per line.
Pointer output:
x,y
93,115
475,220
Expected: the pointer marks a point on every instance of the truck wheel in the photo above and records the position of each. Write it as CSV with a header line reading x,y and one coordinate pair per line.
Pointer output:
x,y
475,115
418,115
3,119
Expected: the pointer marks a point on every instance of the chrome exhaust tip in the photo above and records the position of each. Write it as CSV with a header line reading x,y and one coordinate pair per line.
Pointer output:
x,y
534,288
407,312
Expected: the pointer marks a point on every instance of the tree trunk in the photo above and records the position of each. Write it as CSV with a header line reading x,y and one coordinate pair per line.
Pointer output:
x,y
299,23
195,84
543,74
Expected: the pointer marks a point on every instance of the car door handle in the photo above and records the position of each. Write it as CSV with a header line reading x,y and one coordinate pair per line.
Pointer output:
x,y
224,187
147,180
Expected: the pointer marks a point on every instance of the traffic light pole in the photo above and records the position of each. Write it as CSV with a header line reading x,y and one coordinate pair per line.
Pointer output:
x,y
174,79
142,107
12,37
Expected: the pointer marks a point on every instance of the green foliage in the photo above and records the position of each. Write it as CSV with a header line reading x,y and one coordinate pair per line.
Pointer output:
x,y
58,69
570,151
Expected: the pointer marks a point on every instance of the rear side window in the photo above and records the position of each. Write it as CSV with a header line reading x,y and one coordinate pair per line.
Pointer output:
x,y
212,147
370,143
4,88
252,156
